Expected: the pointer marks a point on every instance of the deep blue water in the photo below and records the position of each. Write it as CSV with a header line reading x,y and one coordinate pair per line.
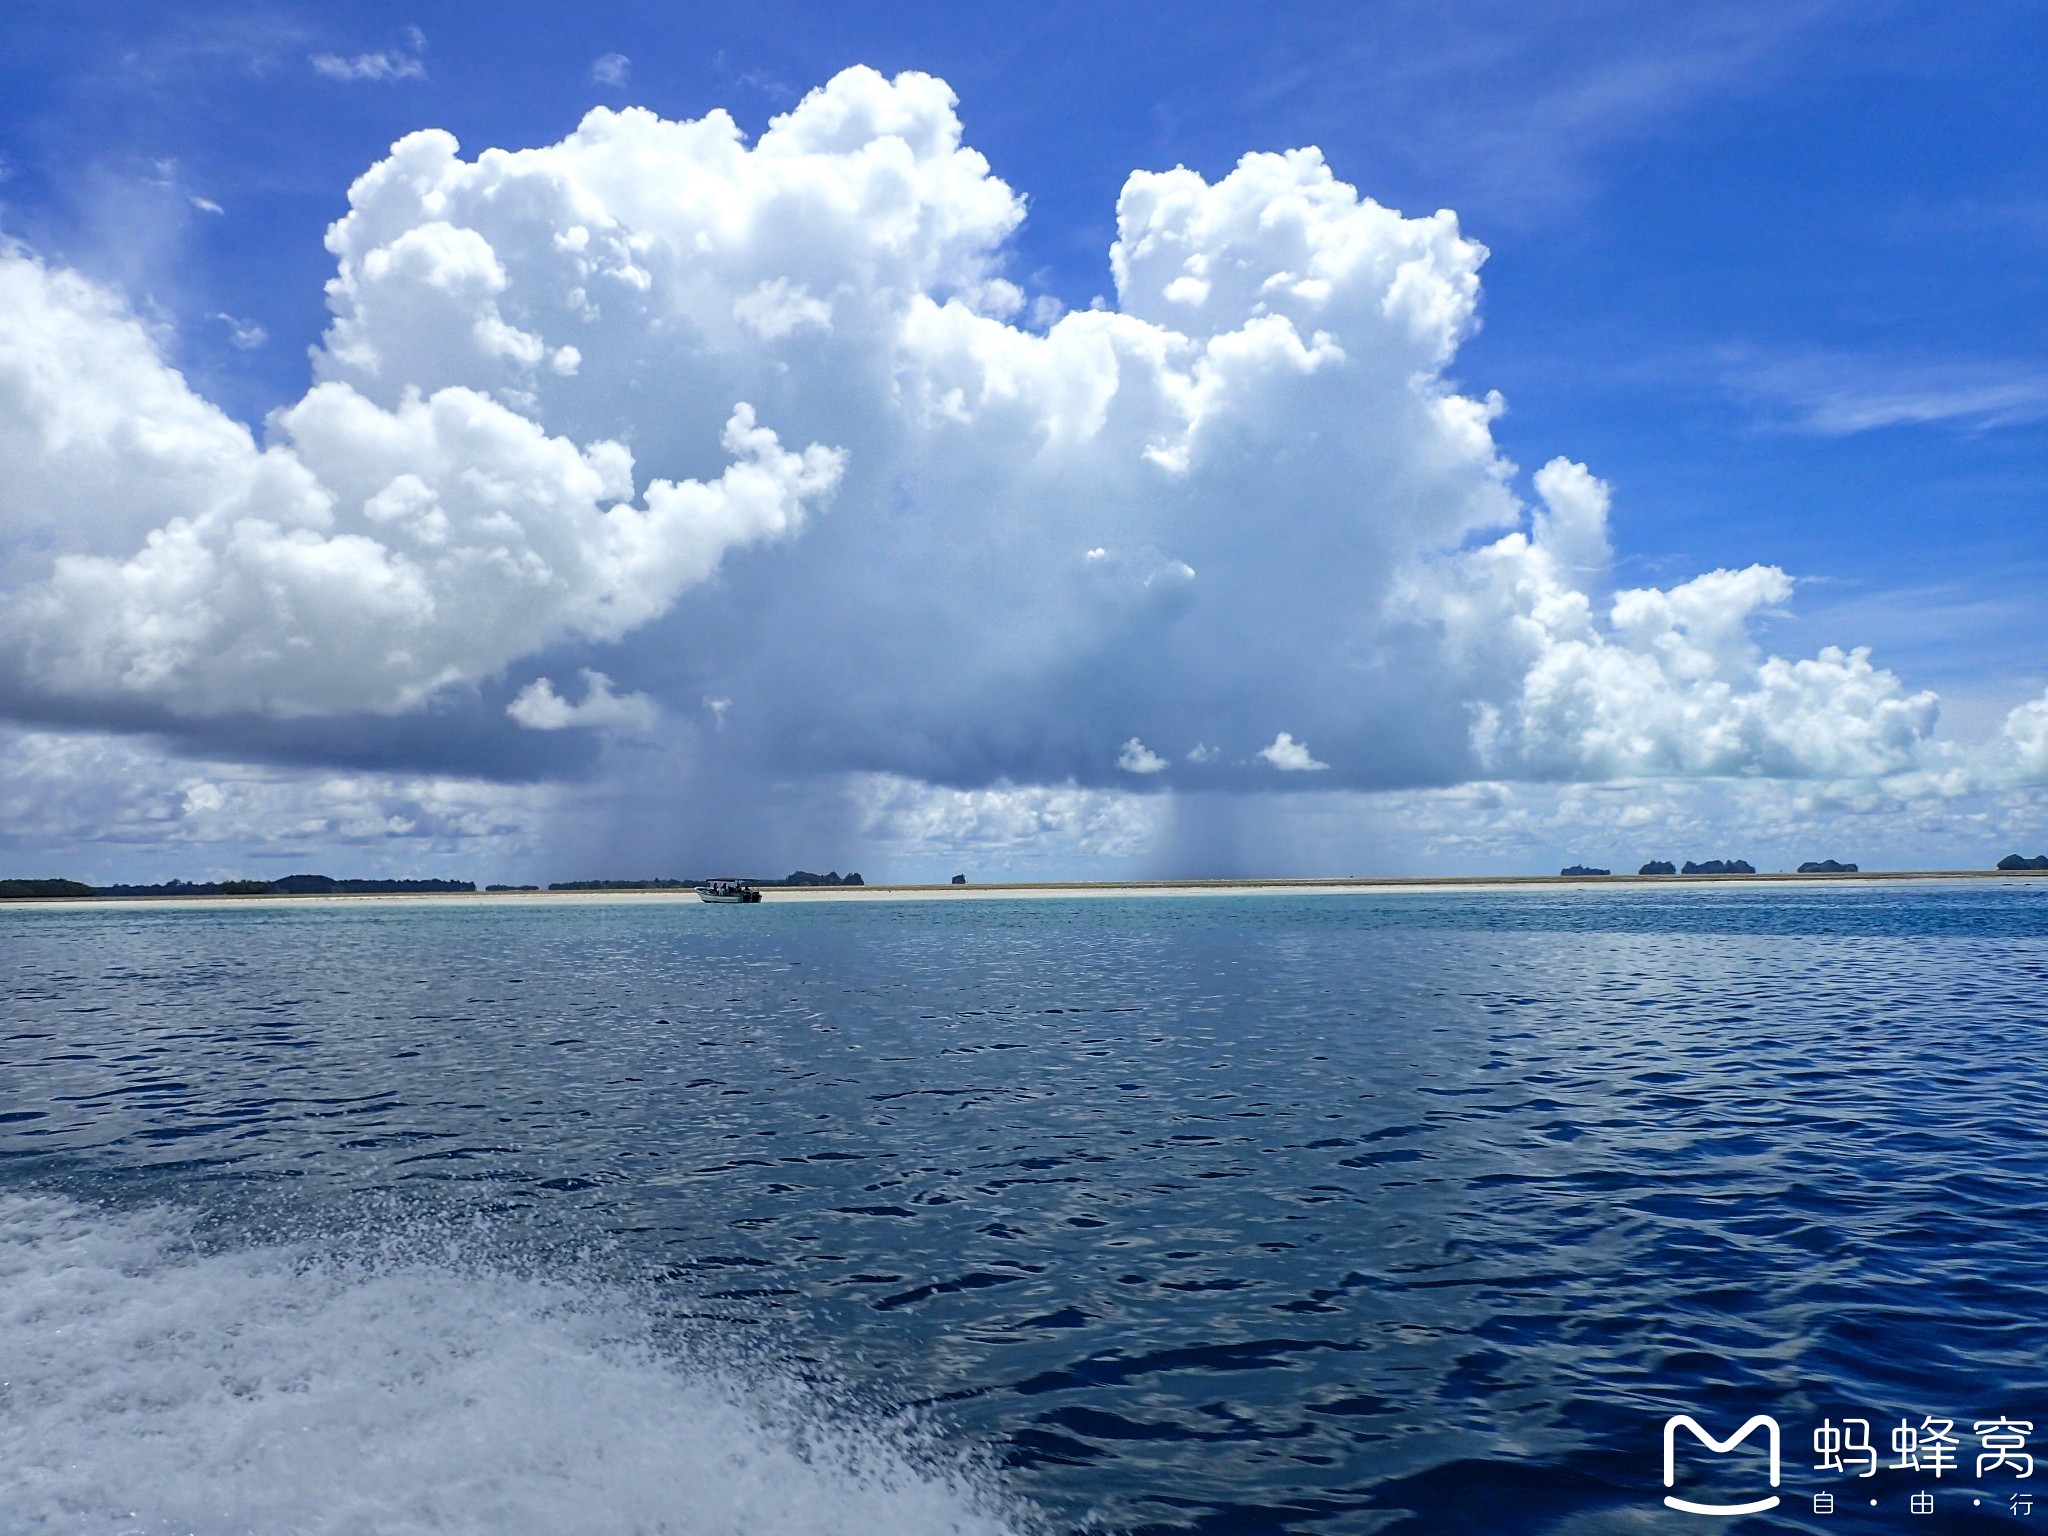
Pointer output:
x,y
1223,1215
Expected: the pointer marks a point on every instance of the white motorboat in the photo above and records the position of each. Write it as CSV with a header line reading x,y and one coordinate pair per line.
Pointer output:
x,y
727,891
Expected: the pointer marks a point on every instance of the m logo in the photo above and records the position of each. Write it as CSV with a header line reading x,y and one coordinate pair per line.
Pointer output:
x,y
1719,1447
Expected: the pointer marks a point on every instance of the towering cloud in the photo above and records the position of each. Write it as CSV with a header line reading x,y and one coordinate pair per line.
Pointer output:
x,y
1166,542
366,560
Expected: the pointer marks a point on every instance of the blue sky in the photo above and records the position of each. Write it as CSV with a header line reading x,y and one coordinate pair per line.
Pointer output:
x,y
1773,272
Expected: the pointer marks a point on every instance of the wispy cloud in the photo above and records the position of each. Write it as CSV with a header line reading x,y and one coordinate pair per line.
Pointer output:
x,y
392,64
610,68
757,79
1506,109
1839,394
243,335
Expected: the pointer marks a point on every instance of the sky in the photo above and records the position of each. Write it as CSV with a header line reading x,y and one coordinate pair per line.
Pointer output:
x,y
546,443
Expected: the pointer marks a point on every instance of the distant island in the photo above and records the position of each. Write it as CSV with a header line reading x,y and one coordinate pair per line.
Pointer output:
x,y
2014,861
1826,867
328,885
1574,871
1710,867
285,885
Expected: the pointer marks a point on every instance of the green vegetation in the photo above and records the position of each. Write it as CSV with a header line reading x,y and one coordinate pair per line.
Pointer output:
x,y
287,885
21,889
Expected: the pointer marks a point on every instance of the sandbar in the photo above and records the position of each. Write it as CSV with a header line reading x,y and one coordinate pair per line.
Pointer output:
x,y
1028,890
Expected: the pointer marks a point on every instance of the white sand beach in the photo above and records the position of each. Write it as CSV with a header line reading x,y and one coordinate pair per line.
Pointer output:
x,y
1045,890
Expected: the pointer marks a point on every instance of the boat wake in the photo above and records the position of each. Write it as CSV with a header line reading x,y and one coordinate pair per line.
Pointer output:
x,y
152,1383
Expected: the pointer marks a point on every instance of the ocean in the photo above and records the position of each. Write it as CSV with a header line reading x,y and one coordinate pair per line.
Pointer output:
x,y
1421,1212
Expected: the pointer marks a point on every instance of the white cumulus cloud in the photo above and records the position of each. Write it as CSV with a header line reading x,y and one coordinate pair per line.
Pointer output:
x,y
1003,823
107,808
365,560
562,385
2026,736
1663,682
539,708
1291,756
1136,757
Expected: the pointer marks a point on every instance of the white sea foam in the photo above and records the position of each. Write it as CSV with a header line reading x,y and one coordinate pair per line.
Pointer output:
x,y
150,1384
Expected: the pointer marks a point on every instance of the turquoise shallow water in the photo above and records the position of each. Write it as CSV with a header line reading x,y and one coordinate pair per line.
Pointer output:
x,y
1248,1214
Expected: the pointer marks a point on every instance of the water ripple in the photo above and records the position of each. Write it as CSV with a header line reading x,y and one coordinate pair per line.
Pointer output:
x,y
1306,1214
